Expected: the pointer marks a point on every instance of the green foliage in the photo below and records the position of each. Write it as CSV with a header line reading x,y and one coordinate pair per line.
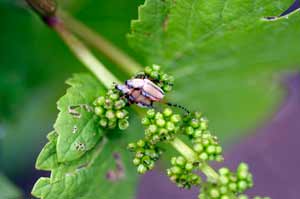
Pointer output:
x,y
74,130
7,189
223,55
81,160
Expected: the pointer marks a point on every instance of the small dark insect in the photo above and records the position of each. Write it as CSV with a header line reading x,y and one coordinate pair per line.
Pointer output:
x,y
142,91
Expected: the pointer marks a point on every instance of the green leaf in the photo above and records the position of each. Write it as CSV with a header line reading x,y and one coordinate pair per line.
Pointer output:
x,y
7,189
83,174
84,129
225,58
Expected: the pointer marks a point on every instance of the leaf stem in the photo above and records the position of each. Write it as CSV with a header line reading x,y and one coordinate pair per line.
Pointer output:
x,y
190,155
85,55
100,43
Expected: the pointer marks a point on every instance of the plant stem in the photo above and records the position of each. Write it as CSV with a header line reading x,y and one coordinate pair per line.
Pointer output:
x,y
85,56
107,48
210,173
184,149
190,155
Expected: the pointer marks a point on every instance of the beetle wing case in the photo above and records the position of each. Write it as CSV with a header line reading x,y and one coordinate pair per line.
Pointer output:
x,y
152,91
135,83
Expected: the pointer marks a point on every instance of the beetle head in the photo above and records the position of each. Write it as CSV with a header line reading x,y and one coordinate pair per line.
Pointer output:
x,y
122,88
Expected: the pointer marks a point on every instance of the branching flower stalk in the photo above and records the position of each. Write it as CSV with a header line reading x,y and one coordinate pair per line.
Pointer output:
x,y
160,126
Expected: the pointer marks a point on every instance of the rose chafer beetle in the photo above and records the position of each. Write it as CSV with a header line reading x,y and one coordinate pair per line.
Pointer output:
x,y
144,92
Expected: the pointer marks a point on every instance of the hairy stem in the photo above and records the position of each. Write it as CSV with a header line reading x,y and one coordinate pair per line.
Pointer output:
x,y
190,155
100,43
85,56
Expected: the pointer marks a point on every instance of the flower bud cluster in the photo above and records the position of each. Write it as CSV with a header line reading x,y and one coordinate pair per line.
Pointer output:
x,y
195,126
229,184
111,110
204,144
165,81
181,173
208,148
145,155
161,126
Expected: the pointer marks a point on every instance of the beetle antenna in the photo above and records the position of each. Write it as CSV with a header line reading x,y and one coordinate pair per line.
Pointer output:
x,y
178,106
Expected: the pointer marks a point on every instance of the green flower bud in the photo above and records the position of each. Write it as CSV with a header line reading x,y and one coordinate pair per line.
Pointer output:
x,y
99,110
145,121
148,70
160,122
136,161
100,101
123,124
103,122
223,189
152,128
141,169
114,96
224,171
165,77
167,112
242,174
194,123
211,149
170,126
198,147
189,166
232,186
119,104
131,146
214,193
180,161
203,156
156,67
223,180
110,114
167,88
141,143
176,170
244,197
108,104
175,118
154,74
112,124
225,197
189,130
242,185
158,116
151,113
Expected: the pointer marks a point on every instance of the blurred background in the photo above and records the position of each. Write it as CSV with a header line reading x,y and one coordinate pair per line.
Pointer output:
x,y
34,64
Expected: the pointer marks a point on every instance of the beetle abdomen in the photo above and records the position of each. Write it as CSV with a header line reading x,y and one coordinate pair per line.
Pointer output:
x,y
139,99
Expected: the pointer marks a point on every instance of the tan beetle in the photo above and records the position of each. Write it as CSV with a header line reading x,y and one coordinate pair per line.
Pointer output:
x,y
143,92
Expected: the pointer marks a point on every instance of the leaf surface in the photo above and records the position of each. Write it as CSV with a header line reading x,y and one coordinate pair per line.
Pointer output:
x,y
83,172
225,58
